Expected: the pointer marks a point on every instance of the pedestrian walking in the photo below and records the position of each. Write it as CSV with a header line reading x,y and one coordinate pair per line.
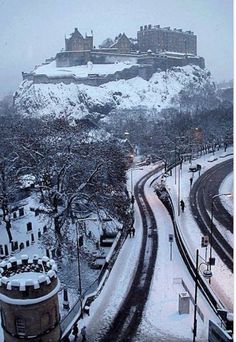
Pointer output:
x,y
133,231
191,181
129,232
75,331
83,333
182,204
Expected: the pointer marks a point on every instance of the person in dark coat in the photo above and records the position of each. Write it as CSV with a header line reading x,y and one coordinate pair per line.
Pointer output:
x,y
83,333
182,204
75,331
133,231
191,181
129,232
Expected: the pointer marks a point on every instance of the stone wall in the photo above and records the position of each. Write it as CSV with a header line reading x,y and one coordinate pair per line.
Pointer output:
x,y
148,65
29,302
144,71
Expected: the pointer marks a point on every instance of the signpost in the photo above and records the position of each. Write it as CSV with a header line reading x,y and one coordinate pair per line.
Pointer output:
x,y
171,239
205,243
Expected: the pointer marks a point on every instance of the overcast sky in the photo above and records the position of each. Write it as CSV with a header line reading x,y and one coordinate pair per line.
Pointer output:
x,y
33,30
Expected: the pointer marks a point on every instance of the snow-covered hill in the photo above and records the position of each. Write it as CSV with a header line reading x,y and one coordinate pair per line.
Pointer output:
x,y
186,88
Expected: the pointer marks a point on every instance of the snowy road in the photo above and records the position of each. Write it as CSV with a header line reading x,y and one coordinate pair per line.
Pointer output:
x,y
201,199
160,320
128,318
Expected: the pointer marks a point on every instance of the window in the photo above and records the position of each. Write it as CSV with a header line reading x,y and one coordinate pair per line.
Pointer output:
x,y
21,212
20,326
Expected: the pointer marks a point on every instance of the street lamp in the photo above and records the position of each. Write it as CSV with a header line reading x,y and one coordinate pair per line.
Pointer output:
x,y
206,274
212,217
78,244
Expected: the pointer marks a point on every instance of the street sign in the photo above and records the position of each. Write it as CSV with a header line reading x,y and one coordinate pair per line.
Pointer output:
x,y
205,241
212,261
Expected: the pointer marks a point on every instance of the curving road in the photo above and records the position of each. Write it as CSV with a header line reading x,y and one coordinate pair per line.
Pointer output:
x,y
129,316
201,195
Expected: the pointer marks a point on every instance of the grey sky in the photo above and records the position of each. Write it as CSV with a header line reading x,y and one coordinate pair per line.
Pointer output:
x,y
33,30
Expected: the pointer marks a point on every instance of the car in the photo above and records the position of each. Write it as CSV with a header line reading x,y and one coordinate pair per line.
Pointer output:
x,y
193,168
226,154
212,159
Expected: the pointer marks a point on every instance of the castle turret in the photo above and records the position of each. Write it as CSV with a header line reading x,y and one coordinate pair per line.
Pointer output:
x,y
28,298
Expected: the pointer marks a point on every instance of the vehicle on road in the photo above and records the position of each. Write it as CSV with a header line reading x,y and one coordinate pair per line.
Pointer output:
x,y
212,159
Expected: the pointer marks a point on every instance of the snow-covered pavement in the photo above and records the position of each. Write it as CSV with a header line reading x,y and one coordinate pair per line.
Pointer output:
x,y
222,281
161,320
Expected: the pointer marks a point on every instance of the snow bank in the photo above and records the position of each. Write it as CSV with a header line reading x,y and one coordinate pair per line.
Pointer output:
x,y
81,70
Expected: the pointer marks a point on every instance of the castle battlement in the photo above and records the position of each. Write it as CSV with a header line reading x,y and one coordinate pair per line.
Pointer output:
x,y
28,299
37,277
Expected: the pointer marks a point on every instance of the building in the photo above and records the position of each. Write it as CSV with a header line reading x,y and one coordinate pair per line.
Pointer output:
x,y
155,49
122,44
77,42
28,298
158,39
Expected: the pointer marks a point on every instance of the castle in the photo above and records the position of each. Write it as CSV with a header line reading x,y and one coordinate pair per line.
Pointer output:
x,y
152,40
155,49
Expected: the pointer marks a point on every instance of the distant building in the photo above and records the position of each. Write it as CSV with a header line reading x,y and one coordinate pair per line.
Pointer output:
x,y
28,298
122,44
158,39
155,49
77,42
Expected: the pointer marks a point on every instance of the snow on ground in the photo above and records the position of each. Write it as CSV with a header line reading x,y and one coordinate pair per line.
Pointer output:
x,y
52,70
222,281
225,188
161,319
78,100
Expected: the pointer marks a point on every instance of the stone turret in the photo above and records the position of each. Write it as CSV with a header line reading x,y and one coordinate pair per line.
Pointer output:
x,y
29,302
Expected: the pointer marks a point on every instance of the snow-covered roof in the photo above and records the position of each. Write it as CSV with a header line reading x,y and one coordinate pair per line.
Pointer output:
x,y
24,272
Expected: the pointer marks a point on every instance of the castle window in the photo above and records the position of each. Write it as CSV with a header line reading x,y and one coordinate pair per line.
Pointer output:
x,y
20,326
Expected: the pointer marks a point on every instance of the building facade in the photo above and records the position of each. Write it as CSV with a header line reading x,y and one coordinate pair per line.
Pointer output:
x,y
122,44
158,39
29,302
77,42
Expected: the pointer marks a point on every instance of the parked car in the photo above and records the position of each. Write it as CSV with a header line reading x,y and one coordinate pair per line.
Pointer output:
x,y
193,168
212,159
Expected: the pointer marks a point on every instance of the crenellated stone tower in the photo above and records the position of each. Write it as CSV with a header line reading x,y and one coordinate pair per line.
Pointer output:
x,y
28,299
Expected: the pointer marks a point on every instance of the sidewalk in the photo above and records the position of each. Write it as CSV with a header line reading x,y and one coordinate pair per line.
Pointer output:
x,y
161,320
222,281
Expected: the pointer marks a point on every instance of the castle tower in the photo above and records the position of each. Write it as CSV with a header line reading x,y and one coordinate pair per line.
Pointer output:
x,y
28,299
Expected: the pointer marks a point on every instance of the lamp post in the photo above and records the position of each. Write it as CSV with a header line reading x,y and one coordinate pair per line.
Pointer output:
x,y
178,193
79,271
207,274
212,217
